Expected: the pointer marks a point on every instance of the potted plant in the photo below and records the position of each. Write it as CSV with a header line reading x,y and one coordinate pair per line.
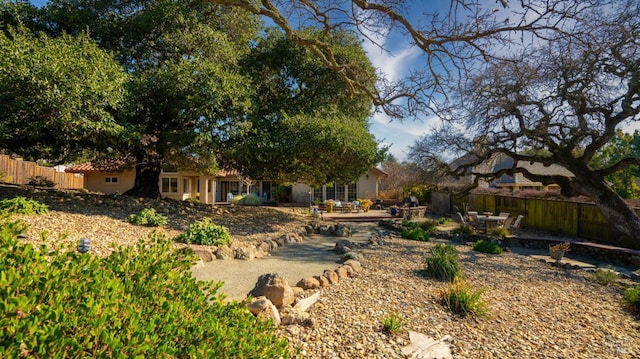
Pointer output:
x,y
557,251
365,204
330,204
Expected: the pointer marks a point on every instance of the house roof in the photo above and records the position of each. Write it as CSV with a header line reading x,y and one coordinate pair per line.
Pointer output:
x,y
113,165
379,172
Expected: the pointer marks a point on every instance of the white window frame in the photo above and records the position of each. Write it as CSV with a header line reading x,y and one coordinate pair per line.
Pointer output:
x,y
172,185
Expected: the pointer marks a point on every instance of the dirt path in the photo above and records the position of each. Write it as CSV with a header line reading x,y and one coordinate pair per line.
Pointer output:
x,y
293,262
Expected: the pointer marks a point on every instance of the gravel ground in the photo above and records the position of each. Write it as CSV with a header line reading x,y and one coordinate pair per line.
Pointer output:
x,y
536,310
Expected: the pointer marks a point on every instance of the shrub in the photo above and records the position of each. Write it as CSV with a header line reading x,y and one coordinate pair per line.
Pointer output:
x,y
415,234
442,262
604,276
148,217
205,232
392,323
428,225
461,299
632,298
499,232
330,205
409,224
22,205
365,204
444,220
463,230
138,302
486,246
250,199
40,181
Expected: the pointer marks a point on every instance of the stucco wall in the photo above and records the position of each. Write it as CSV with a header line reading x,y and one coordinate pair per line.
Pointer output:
x,y
96,182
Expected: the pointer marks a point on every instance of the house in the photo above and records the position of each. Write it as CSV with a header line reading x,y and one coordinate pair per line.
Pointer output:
x,y
514,182
366,187
183,185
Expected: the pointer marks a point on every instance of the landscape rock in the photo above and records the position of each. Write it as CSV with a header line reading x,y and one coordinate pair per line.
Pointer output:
x,y
245,253
297,291
351,255
324,281
349,270
296,316
342,231
224,252
354,264
275,288
343,246
309,283
331,276
341,272
264,308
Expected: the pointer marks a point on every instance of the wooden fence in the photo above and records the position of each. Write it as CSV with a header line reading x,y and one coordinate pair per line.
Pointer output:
x,y
577,219
21,172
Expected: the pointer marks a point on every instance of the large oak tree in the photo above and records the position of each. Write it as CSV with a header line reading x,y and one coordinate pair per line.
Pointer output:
x,y
564,100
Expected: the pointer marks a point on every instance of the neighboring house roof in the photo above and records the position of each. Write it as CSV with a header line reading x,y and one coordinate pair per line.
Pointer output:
x,y
379,172
501,161
115,165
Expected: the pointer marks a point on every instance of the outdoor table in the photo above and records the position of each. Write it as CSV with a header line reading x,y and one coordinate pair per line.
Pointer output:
x,y
490,219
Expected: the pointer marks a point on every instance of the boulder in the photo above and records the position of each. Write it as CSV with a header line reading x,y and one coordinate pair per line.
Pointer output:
x,y
264,246
263,308
204,253
331,276
351,255
343,246
309,229
341,272
324,281
349,270
309,283
297,291
342,231
224,252
245,253
275,288
354,264
295,316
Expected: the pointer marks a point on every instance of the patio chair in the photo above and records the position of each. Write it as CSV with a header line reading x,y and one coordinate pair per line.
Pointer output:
x,y
507,223
475,222
515,226
504,214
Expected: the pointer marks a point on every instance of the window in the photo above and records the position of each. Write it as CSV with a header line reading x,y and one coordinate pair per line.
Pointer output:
x,y
352,192
331,192
340,192
170,185
317,194
112,180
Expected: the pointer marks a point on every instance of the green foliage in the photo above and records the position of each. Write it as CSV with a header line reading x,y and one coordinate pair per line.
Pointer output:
x,y
148,217
250,199
428,225
444,220
136,303
487,246
330,205
461,299
22,205
409,224
205,232
5,177
499,232
44,112
632,298
442,262
604,276
621,146
416,234
392,323
464,230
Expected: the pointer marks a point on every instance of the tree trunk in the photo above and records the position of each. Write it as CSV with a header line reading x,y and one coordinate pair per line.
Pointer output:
x,y
619,215
148,168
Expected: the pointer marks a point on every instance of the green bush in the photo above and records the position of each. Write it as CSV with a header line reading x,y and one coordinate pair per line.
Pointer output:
x,y
428,225
415,234
205,232
444,220
461,299
250,199
499,232
148,217
487,246
464,230
136,303
604,276
632,298
392,323
442,262
22,205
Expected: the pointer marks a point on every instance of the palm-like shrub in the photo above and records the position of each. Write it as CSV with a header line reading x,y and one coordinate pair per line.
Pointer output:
x,y
442,262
